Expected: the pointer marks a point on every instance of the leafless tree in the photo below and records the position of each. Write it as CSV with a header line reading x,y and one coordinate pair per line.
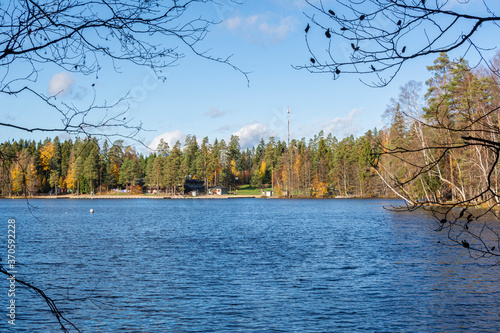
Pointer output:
x,y
77,36
377,37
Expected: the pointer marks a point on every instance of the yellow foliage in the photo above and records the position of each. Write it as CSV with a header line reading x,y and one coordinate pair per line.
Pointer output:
x,y
319,189
263,168
278,191
23,173
233,168
115,170
31,177
46,154
70,180
284,175
297,164
17,179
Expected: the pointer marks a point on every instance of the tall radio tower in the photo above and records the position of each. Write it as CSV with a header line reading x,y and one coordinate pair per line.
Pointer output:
x,y
288,125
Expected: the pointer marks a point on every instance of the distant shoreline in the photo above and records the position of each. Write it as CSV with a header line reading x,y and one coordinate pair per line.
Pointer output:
x,y
137,196
166,197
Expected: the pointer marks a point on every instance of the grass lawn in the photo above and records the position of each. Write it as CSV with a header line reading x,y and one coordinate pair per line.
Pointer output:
x,y
249,190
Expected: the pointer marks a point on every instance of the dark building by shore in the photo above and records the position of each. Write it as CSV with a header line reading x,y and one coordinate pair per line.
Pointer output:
x,y
194,185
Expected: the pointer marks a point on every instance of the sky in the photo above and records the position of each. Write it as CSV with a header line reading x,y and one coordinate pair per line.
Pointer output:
x,y
205,98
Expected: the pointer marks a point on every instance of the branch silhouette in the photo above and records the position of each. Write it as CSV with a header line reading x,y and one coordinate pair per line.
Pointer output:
x,y
385,34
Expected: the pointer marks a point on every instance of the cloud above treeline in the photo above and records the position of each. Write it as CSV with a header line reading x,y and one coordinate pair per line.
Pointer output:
x,y
262,27
251,134
344,126
169,137
340,127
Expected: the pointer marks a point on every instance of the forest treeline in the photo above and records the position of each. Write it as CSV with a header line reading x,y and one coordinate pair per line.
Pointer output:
x,y
419,155
318,167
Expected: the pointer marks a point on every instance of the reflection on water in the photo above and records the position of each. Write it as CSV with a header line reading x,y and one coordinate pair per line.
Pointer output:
x,y
245,265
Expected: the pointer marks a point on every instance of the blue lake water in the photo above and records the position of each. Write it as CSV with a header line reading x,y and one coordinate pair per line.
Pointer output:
x,y
245,265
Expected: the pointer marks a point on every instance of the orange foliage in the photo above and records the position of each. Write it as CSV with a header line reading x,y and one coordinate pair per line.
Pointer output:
x,y
136,189
319,189
233,168
46,153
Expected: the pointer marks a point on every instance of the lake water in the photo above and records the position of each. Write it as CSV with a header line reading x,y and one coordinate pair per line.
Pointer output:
x,y
245,265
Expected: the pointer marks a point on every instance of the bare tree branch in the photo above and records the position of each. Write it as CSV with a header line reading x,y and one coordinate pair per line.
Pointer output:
x,y
79,35
63,322
376,38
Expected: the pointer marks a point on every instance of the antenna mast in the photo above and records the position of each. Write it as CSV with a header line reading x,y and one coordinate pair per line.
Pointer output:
x,y
288,125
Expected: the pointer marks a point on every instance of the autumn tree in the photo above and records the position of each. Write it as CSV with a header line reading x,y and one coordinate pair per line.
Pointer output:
x,y
65,158
448,157
23,173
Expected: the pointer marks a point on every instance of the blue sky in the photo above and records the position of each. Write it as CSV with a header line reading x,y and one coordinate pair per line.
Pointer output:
x,y
205,98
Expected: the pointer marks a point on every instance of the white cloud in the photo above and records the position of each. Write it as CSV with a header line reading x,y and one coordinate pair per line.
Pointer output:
x,y
262,27
61,84
343,127
251,134
233,22
279,31
169,137
253,19
340,127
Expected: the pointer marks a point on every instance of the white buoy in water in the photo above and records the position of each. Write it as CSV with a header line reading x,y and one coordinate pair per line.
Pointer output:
x,y
91,211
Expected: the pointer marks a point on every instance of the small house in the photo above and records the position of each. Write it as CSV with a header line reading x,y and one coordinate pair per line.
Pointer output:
x,y
193,185
218,190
